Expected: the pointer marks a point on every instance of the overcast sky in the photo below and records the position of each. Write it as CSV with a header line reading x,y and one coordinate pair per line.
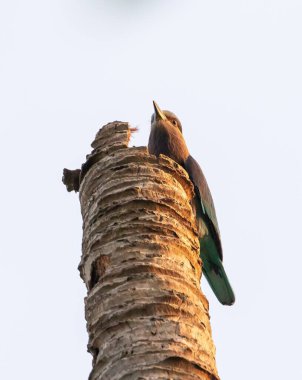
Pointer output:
x,y
231,70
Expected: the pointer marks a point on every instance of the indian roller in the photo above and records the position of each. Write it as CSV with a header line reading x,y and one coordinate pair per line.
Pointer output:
x,y
166,138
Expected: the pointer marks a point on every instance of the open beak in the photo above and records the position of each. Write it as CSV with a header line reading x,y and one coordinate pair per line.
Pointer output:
x,y
159,115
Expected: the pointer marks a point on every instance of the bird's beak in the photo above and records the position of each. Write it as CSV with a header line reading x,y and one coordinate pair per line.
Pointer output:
x,y
159,115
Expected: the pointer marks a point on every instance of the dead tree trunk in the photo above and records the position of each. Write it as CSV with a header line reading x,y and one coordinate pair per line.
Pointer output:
x,y
146,316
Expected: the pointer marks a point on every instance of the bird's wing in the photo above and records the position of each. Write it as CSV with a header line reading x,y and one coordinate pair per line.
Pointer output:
x,y
203,191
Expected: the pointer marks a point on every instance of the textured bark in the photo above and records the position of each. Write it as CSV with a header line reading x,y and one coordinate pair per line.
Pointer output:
x,y
146,315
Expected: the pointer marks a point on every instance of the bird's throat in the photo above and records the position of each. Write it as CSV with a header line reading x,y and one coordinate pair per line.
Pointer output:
x,y
168,140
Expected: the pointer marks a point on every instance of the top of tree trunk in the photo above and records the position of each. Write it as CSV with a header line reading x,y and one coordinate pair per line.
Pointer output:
x,y
146,315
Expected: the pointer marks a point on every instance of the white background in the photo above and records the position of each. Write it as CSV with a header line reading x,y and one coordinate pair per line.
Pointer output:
x,y
231,70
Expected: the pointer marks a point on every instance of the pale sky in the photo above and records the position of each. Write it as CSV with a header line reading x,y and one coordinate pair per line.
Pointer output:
x,y
232,72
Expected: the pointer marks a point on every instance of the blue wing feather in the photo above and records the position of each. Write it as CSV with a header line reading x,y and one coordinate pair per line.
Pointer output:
x,y
203,192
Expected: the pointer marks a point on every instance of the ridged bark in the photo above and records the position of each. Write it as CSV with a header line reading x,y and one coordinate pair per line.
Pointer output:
x,y
146,315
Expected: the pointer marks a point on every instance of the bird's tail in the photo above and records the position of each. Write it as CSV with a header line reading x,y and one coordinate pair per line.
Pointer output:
x,y
219,282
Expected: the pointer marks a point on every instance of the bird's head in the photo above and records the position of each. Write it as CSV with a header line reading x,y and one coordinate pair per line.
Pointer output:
x,y
160,117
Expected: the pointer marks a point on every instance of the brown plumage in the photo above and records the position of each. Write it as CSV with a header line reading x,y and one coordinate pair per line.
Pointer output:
x,y
166,138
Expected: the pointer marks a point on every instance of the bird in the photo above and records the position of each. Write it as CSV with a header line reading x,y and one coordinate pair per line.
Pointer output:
x,y
166,138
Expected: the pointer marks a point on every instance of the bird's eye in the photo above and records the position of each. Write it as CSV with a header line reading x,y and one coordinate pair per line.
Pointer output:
x,y
174,122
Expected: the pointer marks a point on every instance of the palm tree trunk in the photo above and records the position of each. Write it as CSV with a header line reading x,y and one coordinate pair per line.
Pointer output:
x,y
146,316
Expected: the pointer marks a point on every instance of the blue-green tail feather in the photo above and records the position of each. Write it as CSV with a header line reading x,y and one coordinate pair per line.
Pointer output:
x,y
214,271
219,283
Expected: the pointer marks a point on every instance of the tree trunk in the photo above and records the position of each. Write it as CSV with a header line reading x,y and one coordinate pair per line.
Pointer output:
x,y
146,315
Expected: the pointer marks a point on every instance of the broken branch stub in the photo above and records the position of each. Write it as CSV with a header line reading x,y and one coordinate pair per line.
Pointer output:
x,y
146,315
